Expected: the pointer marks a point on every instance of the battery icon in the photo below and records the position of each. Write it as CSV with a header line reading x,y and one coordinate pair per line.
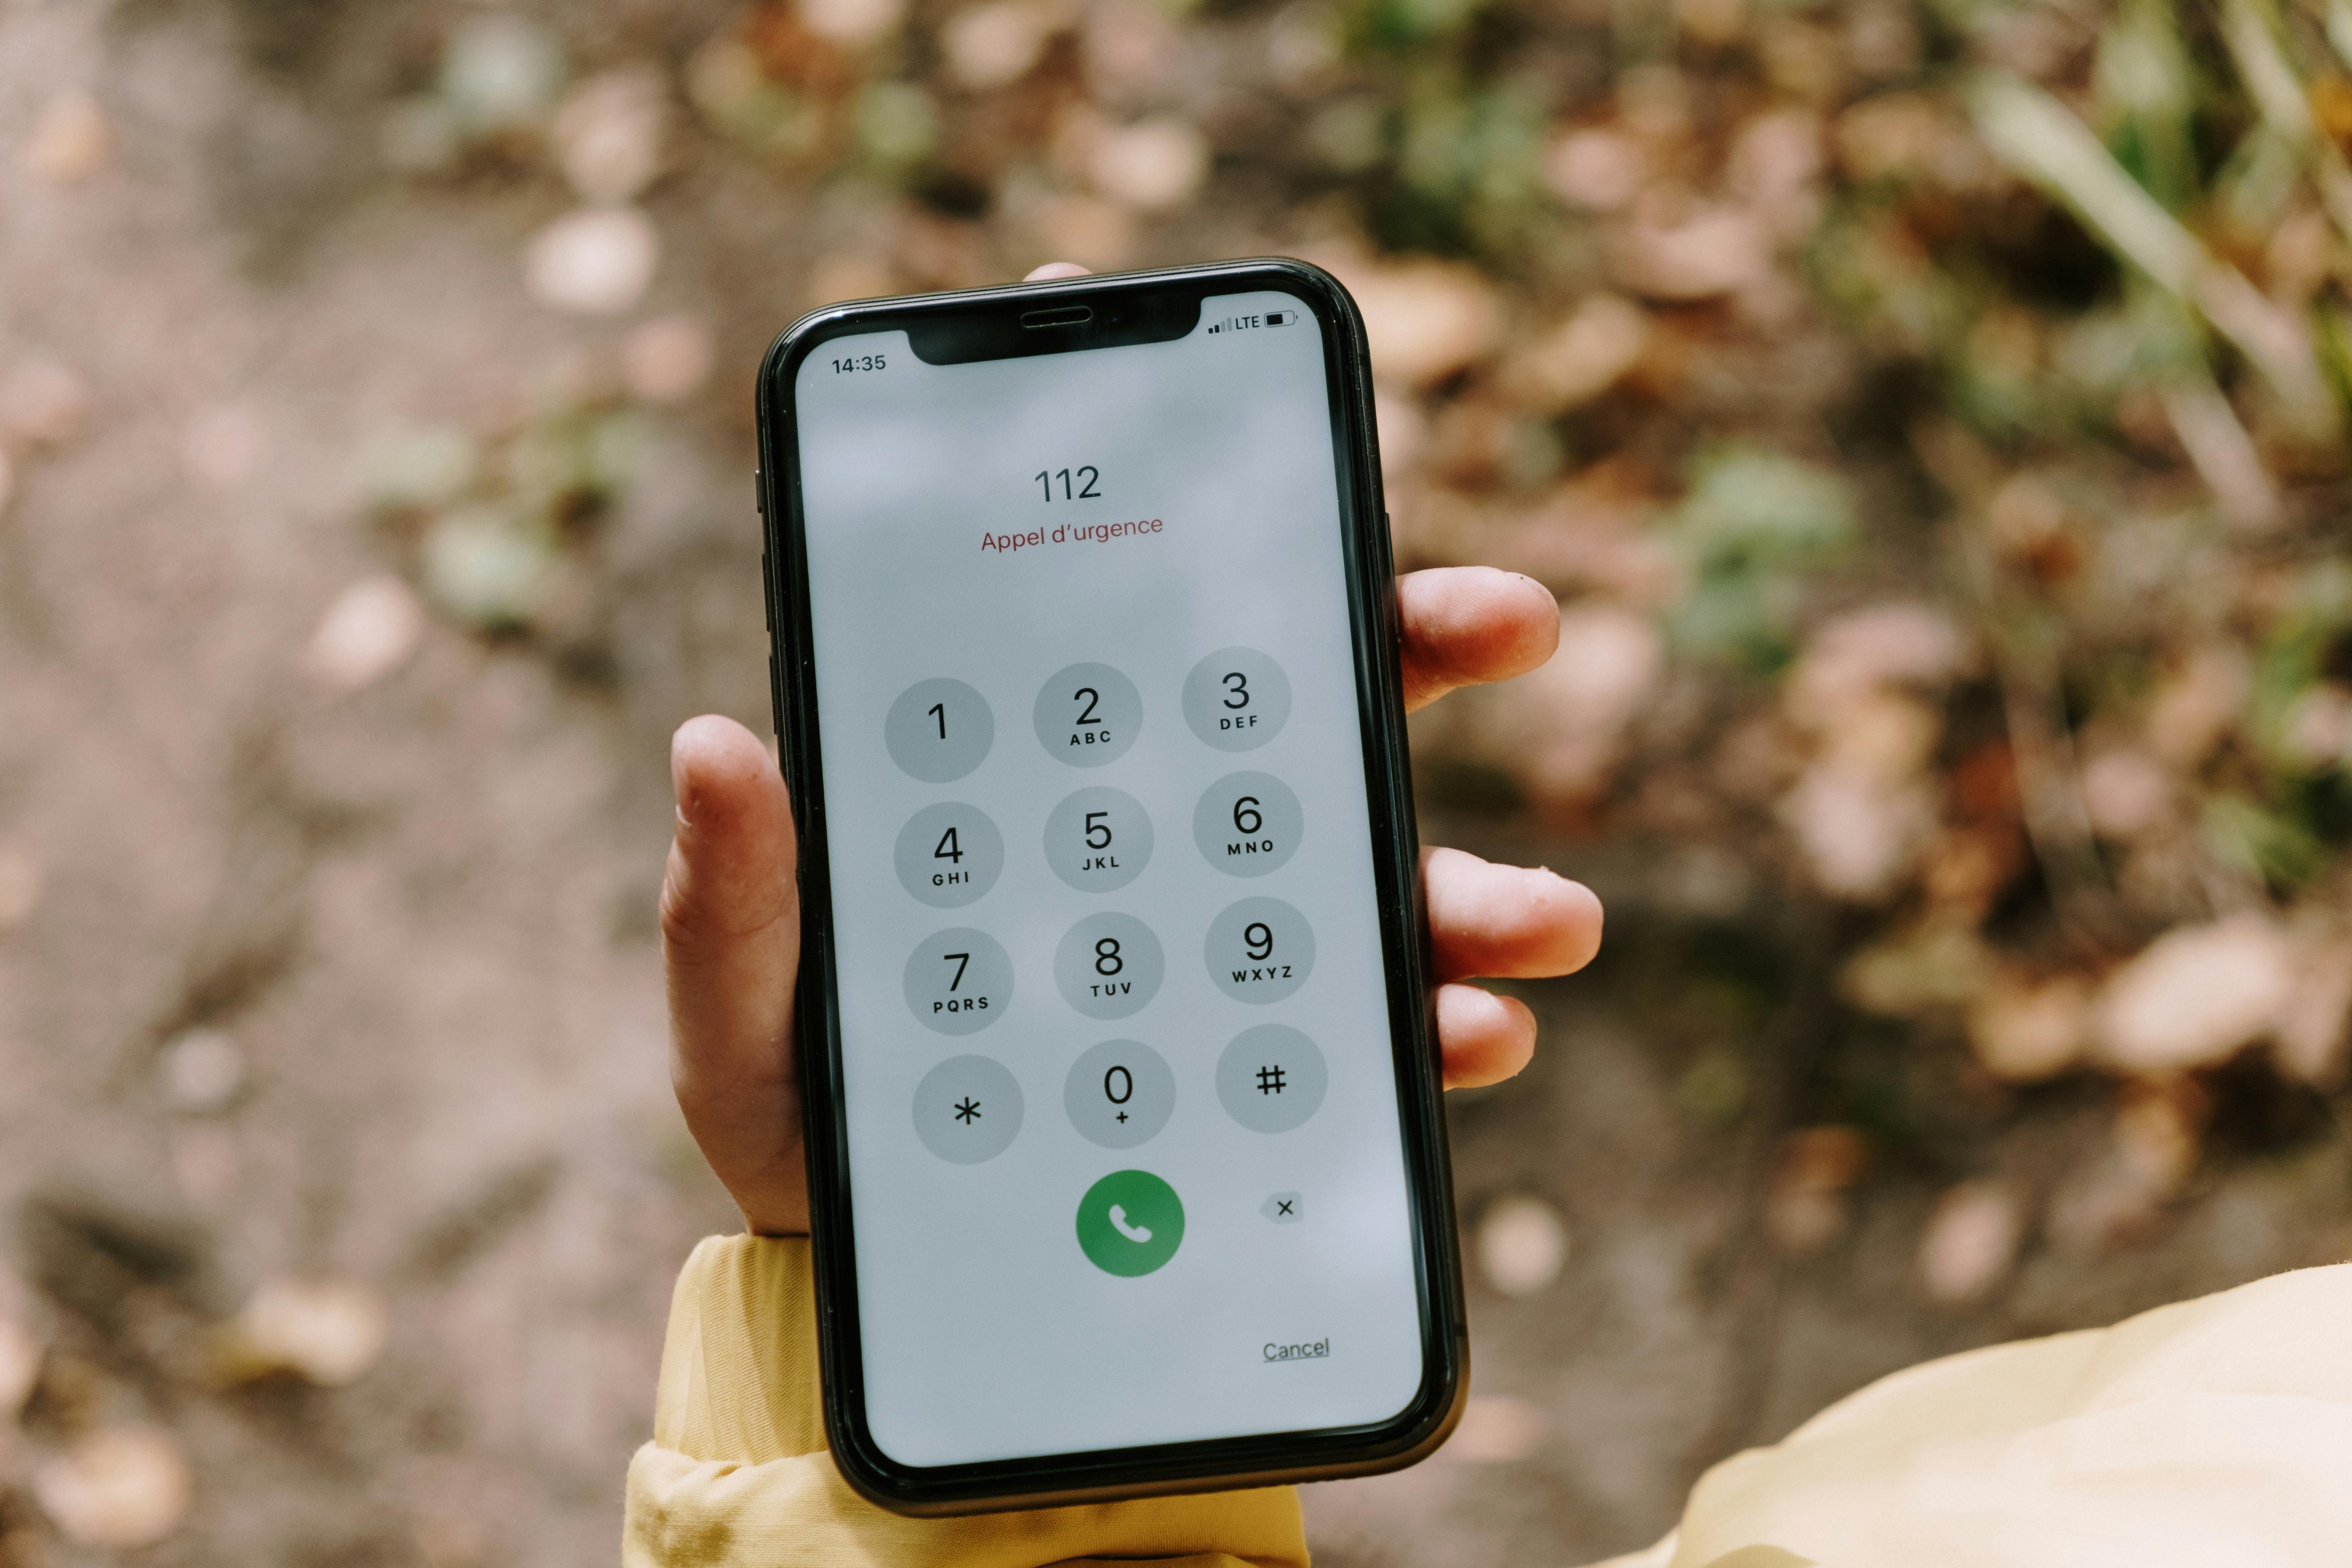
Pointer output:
x,y
1280,317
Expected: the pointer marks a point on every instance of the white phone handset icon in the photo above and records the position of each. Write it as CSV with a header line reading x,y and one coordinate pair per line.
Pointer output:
x,y
1136,1233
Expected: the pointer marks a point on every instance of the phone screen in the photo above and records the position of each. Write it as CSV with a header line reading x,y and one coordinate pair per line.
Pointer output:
x,y
1122,1116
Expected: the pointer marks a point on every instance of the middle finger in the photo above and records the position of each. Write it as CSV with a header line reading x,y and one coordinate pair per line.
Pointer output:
x,y
1507,921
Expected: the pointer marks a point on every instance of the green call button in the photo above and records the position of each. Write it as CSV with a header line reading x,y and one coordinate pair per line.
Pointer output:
x,y
1130,1222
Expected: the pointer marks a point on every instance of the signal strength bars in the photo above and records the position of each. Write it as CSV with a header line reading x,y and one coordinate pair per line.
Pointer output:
x,y
1237,324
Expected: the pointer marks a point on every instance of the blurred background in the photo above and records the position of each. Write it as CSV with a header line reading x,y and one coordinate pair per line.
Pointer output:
x,y
1930,415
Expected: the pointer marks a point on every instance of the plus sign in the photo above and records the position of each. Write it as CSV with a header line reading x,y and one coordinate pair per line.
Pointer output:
x,y
1122,1116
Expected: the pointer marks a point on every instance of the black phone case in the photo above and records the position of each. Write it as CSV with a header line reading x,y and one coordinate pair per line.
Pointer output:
x,y
1135,307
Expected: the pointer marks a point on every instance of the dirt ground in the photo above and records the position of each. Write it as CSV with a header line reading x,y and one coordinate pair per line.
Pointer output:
x,y
423,910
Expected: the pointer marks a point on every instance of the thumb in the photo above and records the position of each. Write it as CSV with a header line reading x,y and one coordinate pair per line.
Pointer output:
x,y
730,948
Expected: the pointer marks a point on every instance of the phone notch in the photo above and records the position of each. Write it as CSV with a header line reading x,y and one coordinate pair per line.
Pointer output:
x,y
1105,317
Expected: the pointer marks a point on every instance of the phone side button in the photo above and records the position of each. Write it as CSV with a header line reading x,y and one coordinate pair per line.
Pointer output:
x,y
768,593
776,697
759,494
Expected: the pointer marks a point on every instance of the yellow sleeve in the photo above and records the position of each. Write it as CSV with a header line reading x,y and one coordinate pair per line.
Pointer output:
x,y
738,1473
2213,1431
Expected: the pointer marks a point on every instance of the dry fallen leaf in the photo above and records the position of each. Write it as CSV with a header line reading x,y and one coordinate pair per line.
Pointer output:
x,y
202,1072
2125,793
593,262
1860,834
329,1332
369,631
854,23
1775,167
1522,1245
70,140
1600,171
995,45
1581,358
1969,1243
2195,996
1426,319
1696,254
2025,1031
123,1487
1152,165
1885,645
608,133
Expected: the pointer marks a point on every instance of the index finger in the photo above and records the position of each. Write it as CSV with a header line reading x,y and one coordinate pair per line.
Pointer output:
x,y
1467,625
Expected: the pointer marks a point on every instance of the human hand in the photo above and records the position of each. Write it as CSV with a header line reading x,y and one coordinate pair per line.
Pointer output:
x,y
731,907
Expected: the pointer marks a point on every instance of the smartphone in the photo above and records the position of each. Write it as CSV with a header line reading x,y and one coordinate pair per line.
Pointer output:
x,y
1127,1165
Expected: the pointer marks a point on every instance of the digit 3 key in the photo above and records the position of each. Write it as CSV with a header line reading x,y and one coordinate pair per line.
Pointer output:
x,y
1236,699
